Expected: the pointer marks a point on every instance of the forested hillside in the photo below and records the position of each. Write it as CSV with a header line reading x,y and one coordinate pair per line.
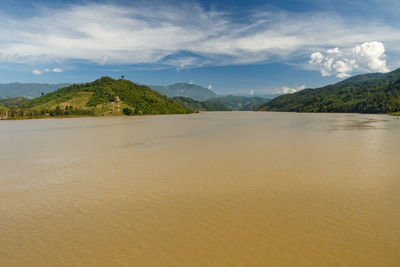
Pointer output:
x,y
368,93
104,96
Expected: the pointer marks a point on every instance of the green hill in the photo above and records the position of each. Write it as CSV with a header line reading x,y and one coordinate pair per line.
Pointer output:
x,y
184,89
200,105
367,93
14,101
28,90
104,96
240,102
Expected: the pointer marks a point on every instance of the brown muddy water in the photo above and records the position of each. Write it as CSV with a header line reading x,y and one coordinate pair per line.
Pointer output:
x,y
208,189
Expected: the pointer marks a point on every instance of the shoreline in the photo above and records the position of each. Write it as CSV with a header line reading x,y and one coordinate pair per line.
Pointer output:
x,y
83,116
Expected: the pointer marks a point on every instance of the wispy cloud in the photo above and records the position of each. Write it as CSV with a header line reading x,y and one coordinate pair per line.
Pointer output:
x,y
180,37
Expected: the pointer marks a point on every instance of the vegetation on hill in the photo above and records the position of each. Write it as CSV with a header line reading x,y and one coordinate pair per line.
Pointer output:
x,y
240,102
104,96
368,93
184,89
14,101
200,105
28,90
2,110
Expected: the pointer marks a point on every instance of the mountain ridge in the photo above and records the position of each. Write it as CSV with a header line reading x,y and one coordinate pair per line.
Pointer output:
x,y
28,90
365,93
196,105
193,91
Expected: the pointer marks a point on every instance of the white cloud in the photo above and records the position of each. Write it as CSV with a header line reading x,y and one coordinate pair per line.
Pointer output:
x,y
157,34
209,86
251,92
37,72
56,70
290,90
316,58
368,56
335,50
371,55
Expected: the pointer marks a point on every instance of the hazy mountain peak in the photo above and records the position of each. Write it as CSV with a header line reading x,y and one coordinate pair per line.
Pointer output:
x,y
193,91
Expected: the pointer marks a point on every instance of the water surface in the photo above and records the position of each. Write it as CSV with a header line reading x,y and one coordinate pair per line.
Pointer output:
x,y
208,189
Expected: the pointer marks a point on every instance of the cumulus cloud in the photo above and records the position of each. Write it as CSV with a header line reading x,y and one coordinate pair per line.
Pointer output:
x,y
251,92
368,56
187,36
56,70
37,72
371,55
209,86
290,90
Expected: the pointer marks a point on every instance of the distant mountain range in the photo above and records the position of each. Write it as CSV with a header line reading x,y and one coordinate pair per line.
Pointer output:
x,y
16,93
240,102
186,90
28,90
206,105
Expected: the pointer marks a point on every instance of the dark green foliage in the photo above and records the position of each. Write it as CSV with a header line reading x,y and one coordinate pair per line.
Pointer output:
x,y
2,109
127,111
57,112
101,96
184,89
14,102
240,102
200,105
144,99
369,93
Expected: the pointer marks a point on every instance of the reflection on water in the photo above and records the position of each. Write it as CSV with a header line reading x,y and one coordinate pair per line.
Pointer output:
x,y
208,189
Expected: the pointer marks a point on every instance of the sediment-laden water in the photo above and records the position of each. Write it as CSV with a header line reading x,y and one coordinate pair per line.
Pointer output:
x,y
208,189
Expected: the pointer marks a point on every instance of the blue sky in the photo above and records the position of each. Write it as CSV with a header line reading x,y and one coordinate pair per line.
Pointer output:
x,y
238,47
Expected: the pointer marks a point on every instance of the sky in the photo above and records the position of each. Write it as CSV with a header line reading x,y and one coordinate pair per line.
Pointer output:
x,y
233,47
